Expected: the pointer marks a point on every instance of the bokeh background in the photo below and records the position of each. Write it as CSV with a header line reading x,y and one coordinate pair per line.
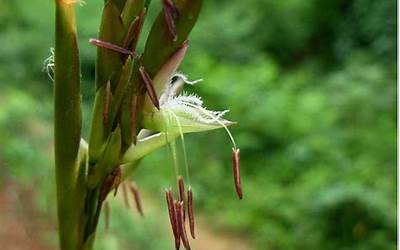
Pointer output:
x,y
312,85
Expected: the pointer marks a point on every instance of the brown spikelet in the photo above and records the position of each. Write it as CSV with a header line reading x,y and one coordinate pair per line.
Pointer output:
x,y
236,172
133,112
172,217
170,12
148,83
106,101
106,216
181,224
125,194
110,46
190,211
136,196
134,30
131,33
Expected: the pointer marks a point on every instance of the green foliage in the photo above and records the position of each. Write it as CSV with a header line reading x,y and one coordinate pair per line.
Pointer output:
x,y
312,85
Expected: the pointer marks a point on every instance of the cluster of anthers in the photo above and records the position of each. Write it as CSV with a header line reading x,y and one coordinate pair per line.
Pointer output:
x,y
113,182
177,214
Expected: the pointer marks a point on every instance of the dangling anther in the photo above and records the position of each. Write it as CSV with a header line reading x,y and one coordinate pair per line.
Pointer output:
x,y
190,211
136,197
181,187
181,224
173,217
148,83
110,46
106,216
236,171
125,195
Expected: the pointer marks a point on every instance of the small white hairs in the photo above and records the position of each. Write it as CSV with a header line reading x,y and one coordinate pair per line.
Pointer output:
x,y
191,106
48,65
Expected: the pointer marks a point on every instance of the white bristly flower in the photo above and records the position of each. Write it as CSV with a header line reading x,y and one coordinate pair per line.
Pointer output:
x,y
183,113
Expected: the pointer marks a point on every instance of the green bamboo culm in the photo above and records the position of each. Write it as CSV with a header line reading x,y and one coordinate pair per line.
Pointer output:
x,y
67,128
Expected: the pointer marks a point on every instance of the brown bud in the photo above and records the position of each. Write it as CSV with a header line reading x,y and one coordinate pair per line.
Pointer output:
x,y
148,83
110,46
236,172
136,196
181,224
106,101
107,216
172,217
190,211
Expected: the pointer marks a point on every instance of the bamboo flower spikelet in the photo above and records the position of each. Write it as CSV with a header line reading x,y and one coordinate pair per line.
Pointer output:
x,y
139,106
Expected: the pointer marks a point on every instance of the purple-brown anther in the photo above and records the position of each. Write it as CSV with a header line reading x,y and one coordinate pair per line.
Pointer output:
x,y
136,196
148,83
107,216
173,217
170,12
125,194
181,187
133,113
236,171
181,224
190,211
106,102
110,46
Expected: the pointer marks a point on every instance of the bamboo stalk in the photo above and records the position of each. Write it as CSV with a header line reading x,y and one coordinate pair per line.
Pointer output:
x,y
67,128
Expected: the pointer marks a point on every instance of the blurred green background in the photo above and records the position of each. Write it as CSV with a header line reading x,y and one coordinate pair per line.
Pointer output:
x,y
312,85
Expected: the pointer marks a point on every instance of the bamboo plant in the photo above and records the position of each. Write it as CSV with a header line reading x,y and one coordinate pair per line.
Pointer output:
x,y
138,108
